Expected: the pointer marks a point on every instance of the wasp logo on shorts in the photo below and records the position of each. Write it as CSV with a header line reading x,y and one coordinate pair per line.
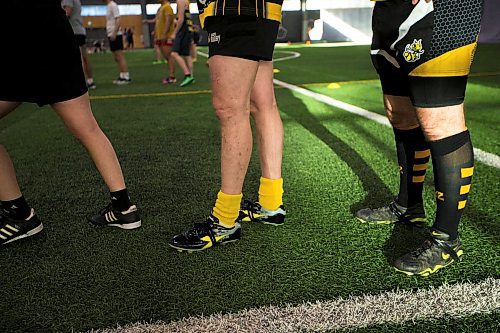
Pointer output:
x,y
214,38
413,51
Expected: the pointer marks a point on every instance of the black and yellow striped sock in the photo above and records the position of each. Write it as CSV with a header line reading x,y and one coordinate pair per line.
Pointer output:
x,y
453,162
227,208
271,193
413,158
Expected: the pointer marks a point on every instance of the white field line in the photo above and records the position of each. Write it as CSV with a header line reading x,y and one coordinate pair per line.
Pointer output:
x,y
394,307
480,155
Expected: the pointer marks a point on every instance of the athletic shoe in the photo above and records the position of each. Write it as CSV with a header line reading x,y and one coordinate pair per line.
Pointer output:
x,y
169,80
91,86
436,252
108,216
121,81
205,235
157,62
393,213
187,81
12,229
254,212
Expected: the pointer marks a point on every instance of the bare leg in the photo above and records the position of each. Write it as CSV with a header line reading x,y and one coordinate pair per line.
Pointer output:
x,y
167,54
182,63
268,122
232,82
85,62
189,63
120,60
443,122
9,188
400,112
194,52
78,118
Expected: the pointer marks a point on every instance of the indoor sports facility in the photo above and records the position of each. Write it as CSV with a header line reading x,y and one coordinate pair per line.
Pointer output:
x,y
323,270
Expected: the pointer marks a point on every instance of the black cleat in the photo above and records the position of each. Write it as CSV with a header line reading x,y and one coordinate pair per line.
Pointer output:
x,y
12,230
393,213
254,212
437,252
205,235
108,216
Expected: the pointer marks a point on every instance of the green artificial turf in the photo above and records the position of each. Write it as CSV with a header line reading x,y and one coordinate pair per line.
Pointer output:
x,y
75,276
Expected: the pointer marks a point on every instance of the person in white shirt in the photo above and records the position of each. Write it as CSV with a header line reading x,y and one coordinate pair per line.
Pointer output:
x,y
115,38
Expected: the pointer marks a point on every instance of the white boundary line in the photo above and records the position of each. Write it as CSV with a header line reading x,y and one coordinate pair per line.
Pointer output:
x,y
480,155
394,307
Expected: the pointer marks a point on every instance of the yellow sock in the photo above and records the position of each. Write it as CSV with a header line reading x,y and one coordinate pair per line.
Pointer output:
x,y
271,193
227,208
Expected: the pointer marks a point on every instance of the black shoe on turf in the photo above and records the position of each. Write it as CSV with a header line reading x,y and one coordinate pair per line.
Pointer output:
x,y
435,253
108,216
393,213
205,235
12,229
254,212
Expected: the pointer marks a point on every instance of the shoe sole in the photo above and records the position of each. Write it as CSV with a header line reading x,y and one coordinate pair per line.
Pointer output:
x,y
28,234
128,226
187,84
180,249
419,222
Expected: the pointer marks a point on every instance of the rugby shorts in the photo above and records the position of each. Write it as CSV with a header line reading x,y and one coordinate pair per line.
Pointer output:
x,y
425,51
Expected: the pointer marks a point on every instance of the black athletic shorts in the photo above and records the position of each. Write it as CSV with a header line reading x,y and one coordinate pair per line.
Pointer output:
x,y
246,37
117,44
425,51
81,40
54,72
182,43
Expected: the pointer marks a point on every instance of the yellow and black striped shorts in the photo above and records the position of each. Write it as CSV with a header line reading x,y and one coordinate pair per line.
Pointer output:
x,y
426,50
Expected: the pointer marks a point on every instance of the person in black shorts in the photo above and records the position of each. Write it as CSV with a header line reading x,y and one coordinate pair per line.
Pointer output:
x,y
241,45
130,38
115,38
57,79
422,51
183,37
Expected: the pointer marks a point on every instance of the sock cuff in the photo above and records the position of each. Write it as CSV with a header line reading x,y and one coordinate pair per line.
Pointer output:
x,y
271,182
450,144
230,197
227,208
409,135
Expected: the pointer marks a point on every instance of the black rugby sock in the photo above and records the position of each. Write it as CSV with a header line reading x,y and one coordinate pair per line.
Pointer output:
x,y
17,209
453,161
413,157
121,200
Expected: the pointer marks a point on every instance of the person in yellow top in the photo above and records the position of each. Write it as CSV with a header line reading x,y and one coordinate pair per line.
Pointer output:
x,y
164,36
242,35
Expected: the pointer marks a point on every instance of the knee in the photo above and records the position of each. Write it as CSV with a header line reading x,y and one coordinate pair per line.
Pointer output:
x,y
258,107
86,132
228,109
